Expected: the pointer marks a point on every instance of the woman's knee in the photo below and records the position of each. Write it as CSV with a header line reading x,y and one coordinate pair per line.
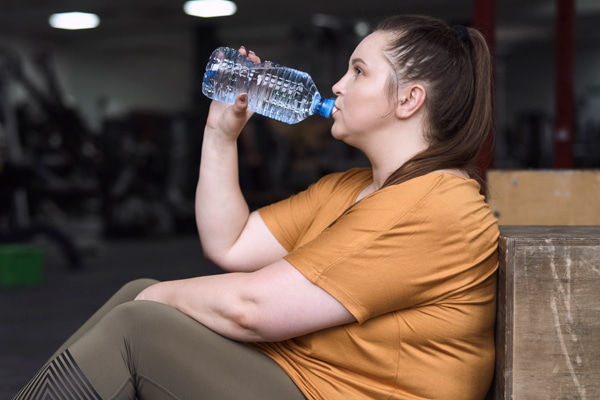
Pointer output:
x,y
136,310
139,317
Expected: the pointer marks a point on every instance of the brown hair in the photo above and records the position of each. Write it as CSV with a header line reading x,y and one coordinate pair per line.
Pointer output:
x,y
454,66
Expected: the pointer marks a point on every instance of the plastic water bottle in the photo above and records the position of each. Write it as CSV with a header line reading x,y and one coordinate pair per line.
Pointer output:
x,y
275,91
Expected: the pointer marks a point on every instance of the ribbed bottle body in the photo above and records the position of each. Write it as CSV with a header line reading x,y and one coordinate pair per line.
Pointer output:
x,y
275,91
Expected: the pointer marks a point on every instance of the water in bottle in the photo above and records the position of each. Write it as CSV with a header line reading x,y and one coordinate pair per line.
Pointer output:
x,y
275,91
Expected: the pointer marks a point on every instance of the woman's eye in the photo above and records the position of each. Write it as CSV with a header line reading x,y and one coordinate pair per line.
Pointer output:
x,y
357,71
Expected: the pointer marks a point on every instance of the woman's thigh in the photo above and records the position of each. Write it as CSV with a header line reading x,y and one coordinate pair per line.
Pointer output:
x,y
152,351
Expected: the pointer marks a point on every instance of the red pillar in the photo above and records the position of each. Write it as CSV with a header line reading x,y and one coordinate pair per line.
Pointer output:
x,y
564,119
484,19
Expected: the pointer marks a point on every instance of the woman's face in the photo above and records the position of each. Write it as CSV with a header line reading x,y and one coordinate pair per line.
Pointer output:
x,y
363,105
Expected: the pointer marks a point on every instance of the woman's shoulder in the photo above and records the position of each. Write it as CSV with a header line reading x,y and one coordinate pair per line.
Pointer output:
x,y
352,174
449,197
350,178
429,191
442,180
434,181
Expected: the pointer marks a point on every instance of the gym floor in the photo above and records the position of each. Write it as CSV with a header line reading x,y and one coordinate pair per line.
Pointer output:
x,y
34,321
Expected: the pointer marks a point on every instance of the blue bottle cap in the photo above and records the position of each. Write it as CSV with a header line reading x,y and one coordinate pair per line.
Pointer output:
x,y
325,107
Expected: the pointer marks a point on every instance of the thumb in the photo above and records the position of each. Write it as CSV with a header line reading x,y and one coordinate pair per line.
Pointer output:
x,y
240,106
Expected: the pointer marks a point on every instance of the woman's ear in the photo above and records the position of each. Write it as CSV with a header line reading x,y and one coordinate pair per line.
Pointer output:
x,y
410,100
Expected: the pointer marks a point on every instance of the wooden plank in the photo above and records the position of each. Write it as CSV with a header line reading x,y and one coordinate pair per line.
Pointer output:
x,y
502,386
548,326
545,197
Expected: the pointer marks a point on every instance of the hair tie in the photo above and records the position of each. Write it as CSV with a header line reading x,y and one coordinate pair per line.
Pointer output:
x,y
462,33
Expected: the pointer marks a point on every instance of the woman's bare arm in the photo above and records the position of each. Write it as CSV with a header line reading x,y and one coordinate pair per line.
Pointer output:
x,y
272,304
231,236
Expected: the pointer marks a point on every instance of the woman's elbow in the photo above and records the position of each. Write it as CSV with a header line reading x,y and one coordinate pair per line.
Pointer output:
x,y
254,331
228,262
219,258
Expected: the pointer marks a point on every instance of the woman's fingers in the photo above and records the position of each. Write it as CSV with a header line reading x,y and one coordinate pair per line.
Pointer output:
x,y
250,54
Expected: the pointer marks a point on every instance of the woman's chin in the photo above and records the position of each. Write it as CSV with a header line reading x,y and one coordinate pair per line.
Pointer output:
x,y
337,134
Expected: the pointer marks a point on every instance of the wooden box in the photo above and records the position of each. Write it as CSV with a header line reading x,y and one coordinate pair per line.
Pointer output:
x,y
548,326
545,197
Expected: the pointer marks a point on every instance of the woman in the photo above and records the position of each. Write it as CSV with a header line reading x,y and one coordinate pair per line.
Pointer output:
x,y
374,283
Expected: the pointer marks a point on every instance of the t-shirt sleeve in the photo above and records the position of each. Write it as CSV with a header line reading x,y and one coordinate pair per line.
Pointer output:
x,y
297,210
290,219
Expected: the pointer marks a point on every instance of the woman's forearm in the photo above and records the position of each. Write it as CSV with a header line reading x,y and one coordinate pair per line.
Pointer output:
x,y
231,237
221,210
272,304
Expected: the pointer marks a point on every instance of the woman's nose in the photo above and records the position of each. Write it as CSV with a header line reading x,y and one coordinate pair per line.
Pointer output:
x,y
337,87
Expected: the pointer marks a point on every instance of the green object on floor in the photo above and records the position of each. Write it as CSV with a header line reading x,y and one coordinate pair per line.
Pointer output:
x,y
20,265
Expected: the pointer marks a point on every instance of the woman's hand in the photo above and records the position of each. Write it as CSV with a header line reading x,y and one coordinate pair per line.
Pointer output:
x,y
158,292
229,119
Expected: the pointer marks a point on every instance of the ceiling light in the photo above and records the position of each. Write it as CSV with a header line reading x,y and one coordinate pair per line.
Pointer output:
x,y
74,20
209,8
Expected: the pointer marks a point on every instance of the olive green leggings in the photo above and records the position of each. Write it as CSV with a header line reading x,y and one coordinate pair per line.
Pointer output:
x,y
147,350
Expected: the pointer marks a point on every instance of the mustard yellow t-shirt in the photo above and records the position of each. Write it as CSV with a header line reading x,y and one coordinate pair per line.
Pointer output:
x,y
415,265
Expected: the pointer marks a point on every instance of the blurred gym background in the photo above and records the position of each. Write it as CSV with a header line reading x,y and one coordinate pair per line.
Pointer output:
x,y
100,129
